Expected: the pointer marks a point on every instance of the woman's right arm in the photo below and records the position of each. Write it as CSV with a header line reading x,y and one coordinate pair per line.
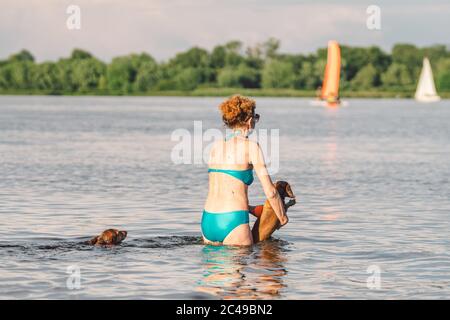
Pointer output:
x,y
259,164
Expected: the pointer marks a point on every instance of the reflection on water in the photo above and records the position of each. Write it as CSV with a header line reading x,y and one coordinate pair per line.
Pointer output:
x,y
244,272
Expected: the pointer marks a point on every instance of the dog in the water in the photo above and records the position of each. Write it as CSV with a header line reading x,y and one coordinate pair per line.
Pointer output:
x,y
268,221
109,237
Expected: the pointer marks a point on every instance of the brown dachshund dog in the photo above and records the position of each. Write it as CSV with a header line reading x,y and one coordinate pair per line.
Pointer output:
x,y
109,237
268,221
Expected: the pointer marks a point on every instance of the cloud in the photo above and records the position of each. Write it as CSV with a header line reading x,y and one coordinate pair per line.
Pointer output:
x,y
163,28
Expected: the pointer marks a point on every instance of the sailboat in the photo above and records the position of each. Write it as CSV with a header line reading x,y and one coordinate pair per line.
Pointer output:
x,y
330,85
329,94
426,90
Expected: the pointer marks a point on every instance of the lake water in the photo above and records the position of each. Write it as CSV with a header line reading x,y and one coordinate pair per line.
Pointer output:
x,y
371,179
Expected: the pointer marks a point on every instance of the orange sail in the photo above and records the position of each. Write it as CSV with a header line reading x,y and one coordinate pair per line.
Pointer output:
x,y
330,86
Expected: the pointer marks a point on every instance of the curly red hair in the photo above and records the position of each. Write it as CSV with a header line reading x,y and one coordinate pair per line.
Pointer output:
x,y
237,110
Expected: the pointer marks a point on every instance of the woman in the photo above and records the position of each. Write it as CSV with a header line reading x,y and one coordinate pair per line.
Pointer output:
x,y
231,163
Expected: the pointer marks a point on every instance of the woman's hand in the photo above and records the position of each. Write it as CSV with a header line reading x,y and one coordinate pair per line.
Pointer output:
x,y
283,221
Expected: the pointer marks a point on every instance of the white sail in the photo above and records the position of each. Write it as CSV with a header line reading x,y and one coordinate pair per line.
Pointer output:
x,y
426,91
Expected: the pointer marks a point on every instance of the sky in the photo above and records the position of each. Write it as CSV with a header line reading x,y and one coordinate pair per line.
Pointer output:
x,y
163,28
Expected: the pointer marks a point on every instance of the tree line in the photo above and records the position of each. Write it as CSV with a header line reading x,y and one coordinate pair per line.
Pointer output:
x,y
230,65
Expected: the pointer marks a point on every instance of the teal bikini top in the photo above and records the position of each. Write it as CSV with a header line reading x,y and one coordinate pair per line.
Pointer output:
x,y
246,176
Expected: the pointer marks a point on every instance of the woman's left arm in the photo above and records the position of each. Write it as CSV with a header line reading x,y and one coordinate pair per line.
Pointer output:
x,y
257,160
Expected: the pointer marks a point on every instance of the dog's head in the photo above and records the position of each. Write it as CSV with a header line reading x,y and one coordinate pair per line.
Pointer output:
x,y
284,189
112,236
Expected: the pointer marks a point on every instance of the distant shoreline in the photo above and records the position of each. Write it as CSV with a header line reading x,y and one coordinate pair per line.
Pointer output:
x,y
223,92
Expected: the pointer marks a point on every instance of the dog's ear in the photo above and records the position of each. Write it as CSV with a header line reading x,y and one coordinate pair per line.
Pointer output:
x,y
284,189
289,191
281,188
279,185
121,236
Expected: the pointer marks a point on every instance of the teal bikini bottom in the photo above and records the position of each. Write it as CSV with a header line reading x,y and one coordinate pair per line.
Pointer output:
x,y
216,226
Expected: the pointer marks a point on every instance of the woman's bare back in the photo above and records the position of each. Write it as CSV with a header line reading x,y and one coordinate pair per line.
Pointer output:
x,y
226,193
